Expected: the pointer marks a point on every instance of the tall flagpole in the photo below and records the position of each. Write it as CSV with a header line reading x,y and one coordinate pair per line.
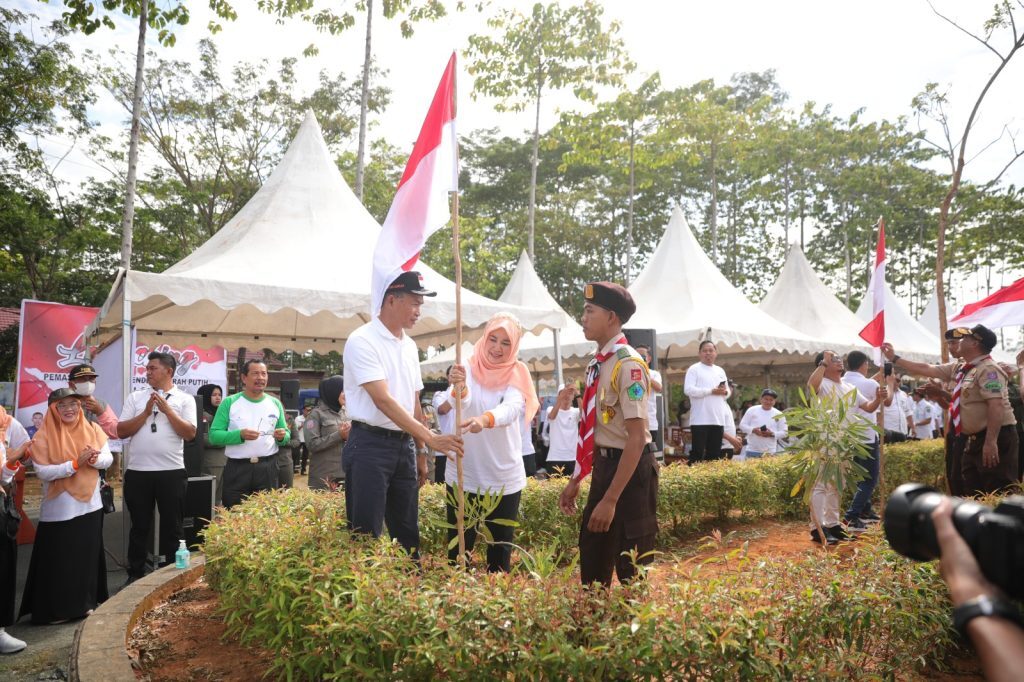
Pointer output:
x,y
460,513
881,421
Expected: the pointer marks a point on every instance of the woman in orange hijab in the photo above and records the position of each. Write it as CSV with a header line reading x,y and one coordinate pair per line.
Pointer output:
x,y
67,576
500,396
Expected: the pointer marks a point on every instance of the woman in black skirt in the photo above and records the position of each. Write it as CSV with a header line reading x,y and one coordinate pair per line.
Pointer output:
x,y
67,576
13,441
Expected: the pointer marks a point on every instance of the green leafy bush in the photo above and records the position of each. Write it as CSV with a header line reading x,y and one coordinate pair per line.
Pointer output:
x,y
292,580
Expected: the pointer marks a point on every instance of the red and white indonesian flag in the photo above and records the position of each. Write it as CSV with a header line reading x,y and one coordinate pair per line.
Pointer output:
x,y
874,332
421,203
1004,308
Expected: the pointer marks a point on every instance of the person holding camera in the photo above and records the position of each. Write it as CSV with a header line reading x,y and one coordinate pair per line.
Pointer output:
x,y
980,415
563,430
981,611
764,426
707,387
156,421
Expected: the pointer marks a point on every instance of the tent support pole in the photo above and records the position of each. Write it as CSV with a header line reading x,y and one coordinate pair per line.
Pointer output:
x,y
559,379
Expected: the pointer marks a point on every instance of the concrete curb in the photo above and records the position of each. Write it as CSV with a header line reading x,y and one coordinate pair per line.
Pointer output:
x,y
99,652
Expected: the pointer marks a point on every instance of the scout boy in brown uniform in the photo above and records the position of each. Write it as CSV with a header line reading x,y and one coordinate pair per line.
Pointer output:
x,y
620,514
979,411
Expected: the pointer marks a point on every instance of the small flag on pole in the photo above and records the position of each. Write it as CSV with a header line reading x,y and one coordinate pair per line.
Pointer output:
x,y
1004,308
421,204
874,332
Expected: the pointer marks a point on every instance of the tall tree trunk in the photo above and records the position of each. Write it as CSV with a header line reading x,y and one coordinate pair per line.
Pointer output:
x,y
629,219
849,265
713,217
364,102
128,212
534,160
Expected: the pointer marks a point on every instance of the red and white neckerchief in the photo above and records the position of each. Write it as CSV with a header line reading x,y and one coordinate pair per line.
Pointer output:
x,y
954,406
588,421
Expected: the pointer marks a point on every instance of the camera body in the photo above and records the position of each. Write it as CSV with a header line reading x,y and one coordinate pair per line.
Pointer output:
x,y
995,536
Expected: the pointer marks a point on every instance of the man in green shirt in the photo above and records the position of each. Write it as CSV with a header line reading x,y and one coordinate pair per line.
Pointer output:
x,y
251,426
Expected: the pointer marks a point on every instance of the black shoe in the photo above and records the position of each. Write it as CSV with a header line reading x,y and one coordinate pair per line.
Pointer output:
x,y
855,525
870,517
829,538
839,533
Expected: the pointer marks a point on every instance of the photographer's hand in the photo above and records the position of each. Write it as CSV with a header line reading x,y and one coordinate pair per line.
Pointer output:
x,y
999,642
958,566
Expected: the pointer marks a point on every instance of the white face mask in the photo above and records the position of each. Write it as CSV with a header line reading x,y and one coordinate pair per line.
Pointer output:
x,y
85,388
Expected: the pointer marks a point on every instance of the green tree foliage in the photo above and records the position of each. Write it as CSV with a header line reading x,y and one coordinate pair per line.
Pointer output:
x,y
43,91
550,49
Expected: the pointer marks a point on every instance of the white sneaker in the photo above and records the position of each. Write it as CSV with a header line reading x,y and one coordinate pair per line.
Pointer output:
x,y
10,644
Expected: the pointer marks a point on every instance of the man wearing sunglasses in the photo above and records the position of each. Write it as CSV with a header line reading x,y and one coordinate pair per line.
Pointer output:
x,y
980,415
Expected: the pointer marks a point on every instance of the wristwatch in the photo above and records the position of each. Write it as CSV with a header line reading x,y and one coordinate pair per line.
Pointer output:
x,y
895,359
423,451
984,606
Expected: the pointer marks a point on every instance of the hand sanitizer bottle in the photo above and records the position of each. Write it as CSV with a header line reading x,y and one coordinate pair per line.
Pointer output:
x,y
182,556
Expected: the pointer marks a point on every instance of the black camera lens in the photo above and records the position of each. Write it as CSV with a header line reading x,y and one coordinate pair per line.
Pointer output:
x,y
995,536
908,520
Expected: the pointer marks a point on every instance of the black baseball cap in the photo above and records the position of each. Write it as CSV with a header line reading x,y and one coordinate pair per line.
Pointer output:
x,y
60,394
410,282
770,392
79,371
985,336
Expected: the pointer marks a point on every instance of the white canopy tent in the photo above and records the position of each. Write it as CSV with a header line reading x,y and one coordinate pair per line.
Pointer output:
x,y
929,318
685,298
290,271
907,335
800,299
525,288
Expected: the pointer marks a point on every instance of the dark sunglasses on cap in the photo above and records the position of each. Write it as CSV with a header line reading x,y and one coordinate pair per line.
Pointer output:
x,y
961,333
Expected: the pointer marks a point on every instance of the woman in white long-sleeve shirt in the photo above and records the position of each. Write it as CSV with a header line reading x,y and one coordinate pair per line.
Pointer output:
x,y
67,576
497,395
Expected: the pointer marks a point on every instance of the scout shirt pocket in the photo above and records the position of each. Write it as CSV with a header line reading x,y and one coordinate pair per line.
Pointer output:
x,y
608,404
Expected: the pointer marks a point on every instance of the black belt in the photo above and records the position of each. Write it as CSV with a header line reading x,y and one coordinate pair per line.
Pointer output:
x,y
251,460
614,453
380,431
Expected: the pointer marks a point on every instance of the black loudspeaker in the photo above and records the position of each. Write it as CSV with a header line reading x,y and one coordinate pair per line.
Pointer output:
x,y
649,338
194,448
197,508
290,394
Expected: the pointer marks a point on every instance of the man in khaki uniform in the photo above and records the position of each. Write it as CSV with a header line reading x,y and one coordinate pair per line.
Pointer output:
x,y
980,410
620,514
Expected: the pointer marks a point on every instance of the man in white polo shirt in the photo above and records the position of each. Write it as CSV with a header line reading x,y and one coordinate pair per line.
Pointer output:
x,y
382,386
156,421
251,426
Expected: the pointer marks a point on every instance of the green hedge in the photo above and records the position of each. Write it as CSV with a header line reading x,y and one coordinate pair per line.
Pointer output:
x,y
332,606
689,497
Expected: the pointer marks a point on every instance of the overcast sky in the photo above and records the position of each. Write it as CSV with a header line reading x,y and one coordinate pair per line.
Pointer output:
x,y
874,55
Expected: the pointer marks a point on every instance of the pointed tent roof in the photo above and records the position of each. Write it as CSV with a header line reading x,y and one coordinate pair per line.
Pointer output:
x,y
906,334
683,296
800,299
525,288
290,270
